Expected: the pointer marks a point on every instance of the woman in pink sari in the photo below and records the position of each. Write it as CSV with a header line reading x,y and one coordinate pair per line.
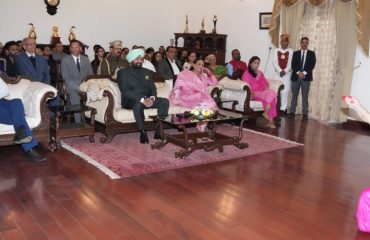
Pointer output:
x,y
191,87
260,89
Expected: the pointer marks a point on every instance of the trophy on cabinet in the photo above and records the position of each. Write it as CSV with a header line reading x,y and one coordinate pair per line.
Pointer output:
x,y
202,29
32,32
186,24
214,24
72,35
54,35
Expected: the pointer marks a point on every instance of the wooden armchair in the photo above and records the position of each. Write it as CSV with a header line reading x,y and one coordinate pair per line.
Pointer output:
x,y
34,96
235,95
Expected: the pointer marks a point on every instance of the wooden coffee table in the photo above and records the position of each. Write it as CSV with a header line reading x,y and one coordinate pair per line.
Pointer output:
x,y
208,140
64,129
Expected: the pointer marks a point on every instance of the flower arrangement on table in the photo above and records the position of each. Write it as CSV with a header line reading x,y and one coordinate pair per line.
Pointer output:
x,y
202,112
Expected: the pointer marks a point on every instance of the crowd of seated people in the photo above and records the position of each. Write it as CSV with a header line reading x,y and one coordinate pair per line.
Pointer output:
x,y
193,73
164,61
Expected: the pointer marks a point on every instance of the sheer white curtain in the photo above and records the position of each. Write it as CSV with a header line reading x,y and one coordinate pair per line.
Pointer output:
x,y
318,24
291,18
346,47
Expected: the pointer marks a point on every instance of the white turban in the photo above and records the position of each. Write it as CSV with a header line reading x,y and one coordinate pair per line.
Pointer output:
x,y
133,54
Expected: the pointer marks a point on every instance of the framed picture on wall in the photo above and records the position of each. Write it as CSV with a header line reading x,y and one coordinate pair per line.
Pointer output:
x,y
265,18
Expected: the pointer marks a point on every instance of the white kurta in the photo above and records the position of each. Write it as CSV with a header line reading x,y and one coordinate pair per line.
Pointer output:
x,y
286,78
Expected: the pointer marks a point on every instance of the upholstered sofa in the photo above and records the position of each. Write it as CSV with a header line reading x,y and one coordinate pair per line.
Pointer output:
x,y
34,96
103,94
230,90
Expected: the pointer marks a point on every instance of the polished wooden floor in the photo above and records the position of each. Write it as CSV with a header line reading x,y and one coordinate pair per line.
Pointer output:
x,y
307,192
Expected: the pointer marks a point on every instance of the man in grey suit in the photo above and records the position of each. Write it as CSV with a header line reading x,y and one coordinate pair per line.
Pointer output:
x,y
169,67
74,69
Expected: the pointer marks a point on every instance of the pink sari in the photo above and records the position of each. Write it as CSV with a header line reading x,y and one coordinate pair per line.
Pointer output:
x,y
363,211
260,89
191,90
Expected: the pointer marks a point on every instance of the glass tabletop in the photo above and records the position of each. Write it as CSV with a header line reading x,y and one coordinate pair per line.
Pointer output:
x,y
69,108
187,118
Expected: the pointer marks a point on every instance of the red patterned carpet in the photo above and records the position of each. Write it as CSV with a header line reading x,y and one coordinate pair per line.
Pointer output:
x,y
125,157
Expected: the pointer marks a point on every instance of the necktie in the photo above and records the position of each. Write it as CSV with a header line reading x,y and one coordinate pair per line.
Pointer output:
x,y
302,61
78,64
33,61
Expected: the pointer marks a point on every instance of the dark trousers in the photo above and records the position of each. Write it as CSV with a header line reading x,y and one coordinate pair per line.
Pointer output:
x,y
161,104
12,113
296,86
74,99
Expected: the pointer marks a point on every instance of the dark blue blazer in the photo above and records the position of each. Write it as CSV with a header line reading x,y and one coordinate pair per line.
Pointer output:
x,y
24,66
309,65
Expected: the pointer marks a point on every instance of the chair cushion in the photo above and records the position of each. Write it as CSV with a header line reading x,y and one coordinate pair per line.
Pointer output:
x,y
9,129
163,89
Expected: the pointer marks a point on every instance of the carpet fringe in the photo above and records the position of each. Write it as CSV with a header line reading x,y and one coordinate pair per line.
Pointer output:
x,y
92,161
272,136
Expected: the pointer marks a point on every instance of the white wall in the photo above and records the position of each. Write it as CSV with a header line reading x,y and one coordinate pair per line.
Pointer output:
x,y
238,19
143,22
152,23
96,21
361,79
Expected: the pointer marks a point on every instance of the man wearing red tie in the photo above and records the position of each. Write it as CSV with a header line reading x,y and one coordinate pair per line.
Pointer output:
x,y
303,63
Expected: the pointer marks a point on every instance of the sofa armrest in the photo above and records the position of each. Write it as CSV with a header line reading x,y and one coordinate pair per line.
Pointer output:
x,y
34,101
94,88
232,84
276,85
111,108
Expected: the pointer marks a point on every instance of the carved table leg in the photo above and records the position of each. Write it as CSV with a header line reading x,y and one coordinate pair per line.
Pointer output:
x,y
237,142
163,142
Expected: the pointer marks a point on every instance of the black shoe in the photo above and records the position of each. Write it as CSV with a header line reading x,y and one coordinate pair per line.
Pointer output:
x,y
33,155
21,136
143,137
305,118
283,113
292,115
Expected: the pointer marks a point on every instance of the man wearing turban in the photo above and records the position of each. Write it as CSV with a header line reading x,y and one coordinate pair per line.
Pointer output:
x,y
282,61
138,92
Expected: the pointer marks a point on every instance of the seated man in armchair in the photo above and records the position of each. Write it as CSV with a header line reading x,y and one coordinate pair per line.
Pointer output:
x,y
138,92
12,113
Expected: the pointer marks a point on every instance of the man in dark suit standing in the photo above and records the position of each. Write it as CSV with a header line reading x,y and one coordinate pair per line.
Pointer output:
x,y
31,64
169,67
74,69
303,63
138,92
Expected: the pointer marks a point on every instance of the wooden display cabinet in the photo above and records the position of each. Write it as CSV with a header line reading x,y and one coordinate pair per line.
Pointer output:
x,y
203,44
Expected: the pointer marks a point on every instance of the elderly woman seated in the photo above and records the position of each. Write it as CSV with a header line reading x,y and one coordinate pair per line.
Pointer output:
x,y
260,89
219,71
191,88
